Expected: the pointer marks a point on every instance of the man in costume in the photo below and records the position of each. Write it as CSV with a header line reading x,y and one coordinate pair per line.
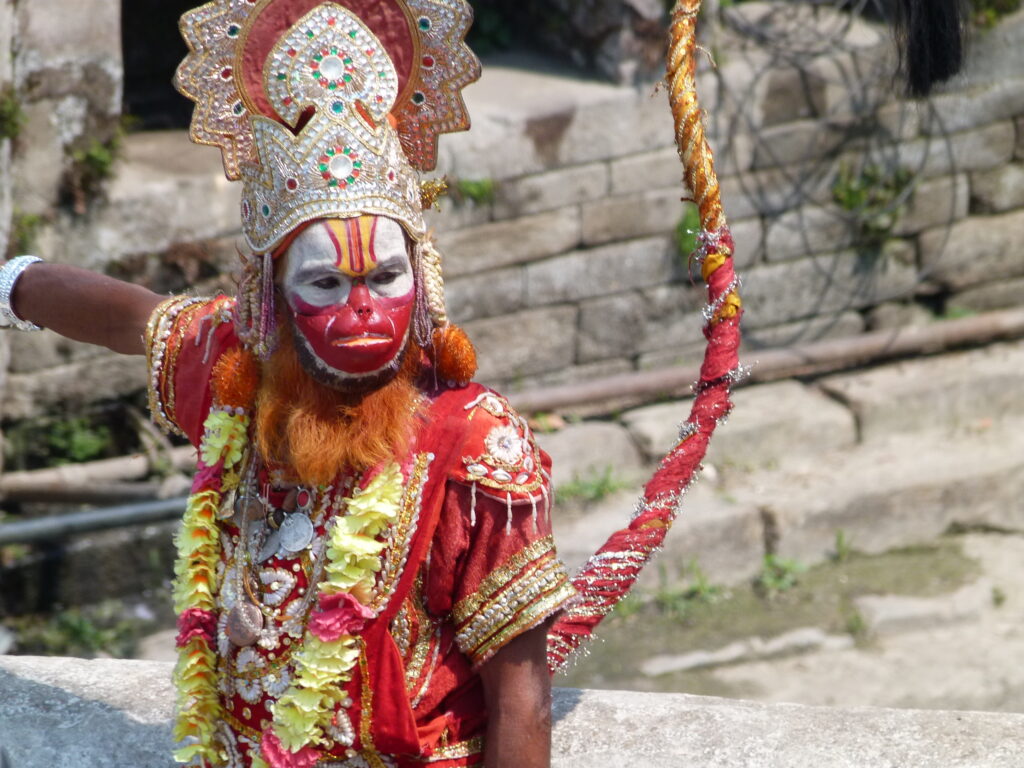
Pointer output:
x,y
366,575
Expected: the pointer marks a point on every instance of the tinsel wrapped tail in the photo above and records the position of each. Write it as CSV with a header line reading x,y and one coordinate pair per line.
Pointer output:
x,y
610,574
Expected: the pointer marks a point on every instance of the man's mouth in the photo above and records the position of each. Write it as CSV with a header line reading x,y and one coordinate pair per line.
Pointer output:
x,y
362,340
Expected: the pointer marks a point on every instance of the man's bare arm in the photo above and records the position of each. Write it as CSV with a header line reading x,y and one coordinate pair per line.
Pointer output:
x,y
85,306
517,689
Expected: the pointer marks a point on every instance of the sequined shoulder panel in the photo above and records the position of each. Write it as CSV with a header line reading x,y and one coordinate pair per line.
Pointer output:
x,y
500,457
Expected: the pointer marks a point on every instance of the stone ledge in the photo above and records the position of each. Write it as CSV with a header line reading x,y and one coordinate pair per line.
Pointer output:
x,y
66,713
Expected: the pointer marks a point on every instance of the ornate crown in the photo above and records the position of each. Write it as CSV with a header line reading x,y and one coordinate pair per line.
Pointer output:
x,y
322,113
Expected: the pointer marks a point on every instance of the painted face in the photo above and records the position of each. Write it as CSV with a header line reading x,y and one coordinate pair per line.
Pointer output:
x,y
349,284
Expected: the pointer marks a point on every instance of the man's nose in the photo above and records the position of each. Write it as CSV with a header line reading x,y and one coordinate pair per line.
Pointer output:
x,y
360,301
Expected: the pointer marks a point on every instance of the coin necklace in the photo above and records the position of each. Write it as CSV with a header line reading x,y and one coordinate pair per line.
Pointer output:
x,y
245,619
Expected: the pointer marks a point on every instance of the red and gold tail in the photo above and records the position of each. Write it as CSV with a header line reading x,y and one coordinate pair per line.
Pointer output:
x,y
610,574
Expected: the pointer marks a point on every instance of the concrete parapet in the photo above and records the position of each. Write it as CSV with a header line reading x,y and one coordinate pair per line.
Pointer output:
x,y
68,713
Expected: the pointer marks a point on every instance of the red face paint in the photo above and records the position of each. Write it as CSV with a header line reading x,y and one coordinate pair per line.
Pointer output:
x,y
350,287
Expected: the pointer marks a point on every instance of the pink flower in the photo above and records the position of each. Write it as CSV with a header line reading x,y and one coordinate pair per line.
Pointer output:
x,y
279,757
207,478
338,615
196,622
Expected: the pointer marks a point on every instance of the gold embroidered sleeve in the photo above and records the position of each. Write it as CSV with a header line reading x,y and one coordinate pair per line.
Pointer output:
x,y
514,598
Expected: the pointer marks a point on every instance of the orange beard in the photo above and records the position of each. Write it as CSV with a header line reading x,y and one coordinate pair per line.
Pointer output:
x,y
319,432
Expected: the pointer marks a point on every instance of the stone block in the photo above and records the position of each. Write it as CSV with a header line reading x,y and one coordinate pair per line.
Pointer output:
x,y
631,216
998,190
529,117
524,344
724,539
775,191
898,314
827,284
892,614
602,271
659,169
452,215
1002,294
689,355
749,240
1000,99
628,324
952,392
554,189
809,230
977,150
838,325
504,243
894,493
486,295
588,449
97,34
769,424
974,251
165,191
73,385
38,166
793,93
796,142
568,375
934,203
633,121
66,713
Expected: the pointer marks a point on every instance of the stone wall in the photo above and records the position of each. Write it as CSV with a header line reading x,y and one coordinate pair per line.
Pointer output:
x,y
64,713
852,210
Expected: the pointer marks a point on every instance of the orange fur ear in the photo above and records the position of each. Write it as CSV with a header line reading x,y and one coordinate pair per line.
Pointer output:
x,y
453,354
236,377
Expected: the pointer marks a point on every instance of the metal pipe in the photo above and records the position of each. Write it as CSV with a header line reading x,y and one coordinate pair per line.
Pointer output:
x,y
62,526
629,389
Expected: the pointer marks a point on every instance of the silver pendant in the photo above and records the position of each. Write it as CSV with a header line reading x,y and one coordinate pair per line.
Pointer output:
x,y
244,624
248,507
296,533
270,547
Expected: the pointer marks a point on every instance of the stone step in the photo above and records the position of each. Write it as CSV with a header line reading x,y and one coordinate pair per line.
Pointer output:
x,y
164,190
906,490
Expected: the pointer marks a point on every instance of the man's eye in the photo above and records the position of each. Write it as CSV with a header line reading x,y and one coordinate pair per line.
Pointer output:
x,y
384,278
327,283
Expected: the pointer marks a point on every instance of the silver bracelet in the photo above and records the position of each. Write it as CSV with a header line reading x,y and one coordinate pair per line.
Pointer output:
x,y
9,274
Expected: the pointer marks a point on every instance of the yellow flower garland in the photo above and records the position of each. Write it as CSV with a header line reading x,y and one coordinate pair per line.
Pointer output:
x,y
307,708
195,588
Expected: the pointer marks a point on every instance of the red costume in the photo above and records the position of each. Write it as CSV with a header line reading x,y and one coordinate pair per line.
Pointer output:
x,y
477,566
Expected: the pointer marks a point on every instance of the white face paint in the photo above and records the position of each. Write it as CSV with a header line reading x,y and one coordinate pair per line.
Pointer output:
x,y
351,290
329,256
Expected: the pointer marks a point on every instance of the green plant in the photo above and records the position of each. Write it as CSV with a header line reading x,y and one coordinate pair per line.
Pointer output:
x,y
873,196
777,575
12,116
91,166
79,440
987,13
687,231
106,628
842,548
593,487
24,232
479,191
998,597
51,443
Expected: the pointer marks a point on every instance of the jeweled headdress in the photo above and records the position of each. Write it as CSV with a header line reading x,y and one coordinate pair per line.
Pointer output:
x,y
327,110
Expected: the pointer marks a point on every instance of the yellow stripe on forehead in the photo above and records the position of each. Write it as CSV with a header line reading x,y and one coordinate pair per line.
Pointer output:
x,y
353,244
